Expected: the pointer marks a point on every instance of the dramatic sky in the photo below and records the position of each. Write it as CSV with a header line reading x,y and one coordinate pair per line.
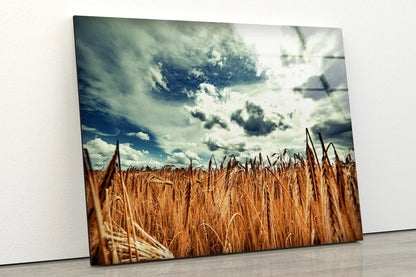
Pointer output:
x,y
174,91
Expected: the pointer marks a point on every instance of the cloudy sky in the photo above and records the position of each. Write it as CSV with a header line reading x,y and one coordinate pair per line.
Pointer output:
x,y
173,91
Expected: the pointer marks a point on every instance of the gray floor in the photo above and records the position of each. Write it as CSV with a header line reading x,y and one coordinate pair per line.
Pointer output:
x,y
383,254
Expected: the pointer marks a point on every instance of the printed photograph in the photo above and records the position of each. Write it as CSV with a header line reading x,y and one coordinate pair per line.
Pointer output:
x,y
207,138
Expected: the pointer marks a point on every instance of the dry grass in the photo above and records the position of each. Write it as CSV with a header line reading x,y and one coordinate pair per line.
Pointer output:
x,y
138,214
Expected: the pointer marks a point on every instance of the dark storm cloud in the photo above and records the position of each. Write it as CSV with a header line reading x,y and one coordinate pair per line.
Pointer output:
x,y
339,132
215,120
200,115
210,122
282,126
212,145
233,147
332,128
256,124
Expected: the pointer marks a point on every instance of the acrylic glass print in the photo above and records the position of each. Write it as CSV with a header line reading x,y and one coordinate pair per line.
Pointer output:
x,y
209,138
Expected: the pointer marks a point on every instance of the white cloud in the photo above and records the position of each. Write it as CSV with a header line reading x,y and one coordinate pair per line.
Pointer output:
x,y
94,130
98,147
216,58
155,77
192,155
178,158
196,72
85,128
140,135
181,159
100,153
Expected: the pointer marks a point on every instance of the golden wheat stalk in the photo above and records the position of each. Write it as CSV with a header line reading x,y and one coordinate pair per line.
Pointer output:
x,y
268,202
97,206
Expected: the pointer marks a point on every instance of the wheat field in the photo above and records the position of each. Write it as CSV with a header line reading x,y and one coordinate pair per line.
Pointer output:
x,y
264,203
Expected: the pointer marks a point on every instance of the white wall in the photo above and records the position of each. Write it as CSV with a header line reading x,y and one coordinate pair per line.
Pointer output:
x,y
42,206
